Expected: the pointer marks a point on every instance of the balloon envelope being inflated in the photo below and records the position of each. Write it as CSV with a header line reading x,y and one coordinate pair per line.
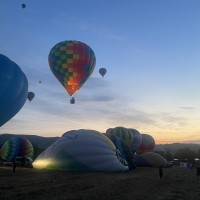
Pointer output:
x,y
125,135
137,139
13,89
16,146
81,150
150,159
72,63
147,143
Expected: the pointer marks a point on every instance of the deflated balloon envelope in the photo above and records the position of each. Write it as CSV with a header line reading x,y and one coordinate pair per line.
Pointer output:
x,y
72,63
81,150
13,89
16,146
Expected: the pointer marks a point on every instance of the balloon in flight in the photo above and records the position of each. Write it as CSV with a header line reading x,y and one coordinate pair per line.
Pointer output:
x,y
13,89
72,63
102,71
23,5
30,96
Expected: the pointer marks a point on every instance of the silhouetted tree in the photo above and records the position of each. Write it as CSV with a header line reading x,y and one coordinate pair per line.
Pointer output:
x,y
185,153
168,156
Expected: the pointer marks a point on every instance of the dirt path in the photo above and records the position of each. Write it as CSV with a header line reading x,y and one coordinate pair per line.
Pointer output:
x,y
178,183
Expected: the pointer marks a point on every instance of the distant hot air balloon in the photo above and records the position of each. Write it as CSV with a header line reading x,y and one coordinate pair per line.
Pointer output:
x,y
72,63
23,5
102,71
13,89
81,150
16,146
30,96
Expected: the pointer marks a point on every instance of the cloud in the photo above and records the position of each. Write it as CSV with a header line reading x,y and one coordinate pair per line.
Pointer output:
x,y
187,108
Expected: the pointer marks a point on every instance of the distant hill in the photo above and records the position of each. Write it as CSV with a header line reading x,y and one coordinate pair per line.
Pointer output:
x,y
39,141
44,142
175,146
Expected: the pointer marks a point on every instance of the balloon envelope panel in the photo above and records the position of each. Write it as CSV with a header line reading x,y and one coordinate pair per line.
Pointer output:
x,y
72,62
13,89
125,135
159,150
17,147
81,150
137,139
150,159
147,144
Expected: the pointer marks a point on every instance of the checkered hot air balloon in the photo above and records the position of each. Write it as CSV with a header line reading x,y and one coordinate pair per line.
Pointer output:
x,y
72,62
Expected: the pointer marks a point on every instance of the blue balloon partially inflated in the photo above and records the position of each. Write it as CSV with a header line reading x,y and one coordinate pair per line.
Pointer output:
x,y
13,89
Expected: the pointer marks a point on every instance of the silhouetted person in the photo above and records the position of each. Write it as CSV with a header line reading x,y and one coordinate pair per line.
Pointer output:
x,y
198,171
160,172
14,165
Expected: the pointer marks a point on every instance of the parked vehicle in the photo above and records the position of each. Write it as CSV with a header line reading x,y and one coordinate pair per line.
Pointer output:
x,y
24,161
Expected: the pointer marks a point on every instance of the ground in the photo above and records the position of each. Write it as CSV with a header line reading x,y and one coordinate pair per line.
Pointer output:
x,y
143,183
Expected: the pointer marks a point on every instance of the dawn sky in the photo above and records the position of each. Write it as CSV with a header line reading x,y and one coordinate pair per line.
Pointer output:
x,y
150,48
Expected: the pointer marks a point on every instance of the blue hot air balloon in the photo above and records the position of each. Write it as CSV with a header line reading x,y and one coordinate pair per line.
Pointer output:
x,y
13,89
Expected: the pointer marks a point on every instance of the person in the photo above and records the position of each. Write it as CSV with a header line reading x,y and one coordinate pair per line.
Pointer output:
x,y
198,171
160,172
14,165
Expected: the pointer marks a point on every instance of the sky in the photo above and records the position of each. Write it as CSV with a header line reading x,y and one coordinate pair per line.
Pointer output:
x,y
150,48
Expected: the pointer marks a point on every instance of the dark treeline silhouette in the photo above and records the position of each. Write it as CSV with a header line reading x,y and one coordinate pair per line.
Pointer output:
x,y
184,153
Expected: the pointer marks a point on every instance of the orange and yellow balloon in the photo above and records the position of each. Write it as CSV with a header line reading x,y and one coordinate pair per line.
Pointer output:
x,y
72,62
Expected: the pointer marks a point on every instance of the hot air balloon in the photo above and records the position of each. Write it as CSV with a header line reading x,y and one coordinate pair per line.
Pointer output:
x,y
13,89
150,159
125,152
125,135
102,71
16,147
159,150
72,63
23,5
147,144
81,150
30,96
137,139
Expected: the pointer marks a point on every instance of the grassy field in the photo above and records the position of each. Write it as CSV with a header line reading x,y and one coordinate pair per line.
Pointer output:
x,y
140,184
